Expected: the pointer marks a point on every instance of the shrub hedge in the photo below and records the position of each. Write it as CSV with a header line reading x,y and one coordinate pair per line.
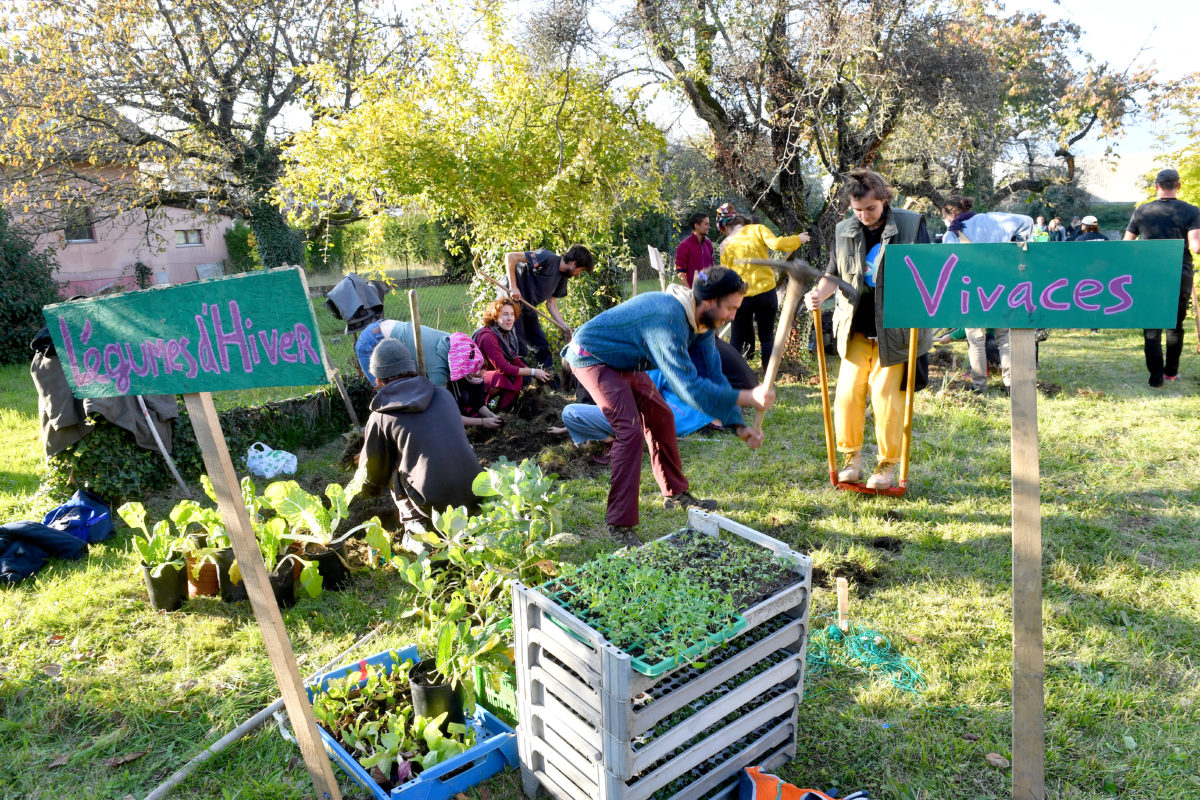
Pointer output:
x,y
110,463
26,284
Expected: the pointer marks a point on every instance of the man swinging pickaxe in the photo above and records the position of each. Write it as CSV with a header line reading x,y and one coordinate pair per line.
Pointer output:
x,y
797,271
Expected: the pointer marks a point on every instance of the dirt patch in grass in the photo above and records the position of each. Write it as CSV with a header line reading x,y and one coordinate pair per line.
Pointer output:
x,y
526,429
862,575
1049,389
889,543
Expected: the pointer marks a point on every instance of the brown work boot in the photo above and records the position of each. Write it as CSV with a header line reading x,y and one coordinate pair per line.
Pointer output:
x,y
624,535
851,468
884,477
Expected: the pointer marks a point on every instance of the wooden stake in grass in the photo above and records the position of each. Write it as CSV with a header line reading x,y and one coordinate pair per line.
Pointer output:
x,y
843,600
414,309
258,586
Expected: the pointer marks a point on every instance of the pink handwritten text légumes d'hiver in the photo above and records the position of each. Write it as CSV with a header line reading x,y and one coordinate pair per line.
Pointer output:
x,y
211,350
1055,296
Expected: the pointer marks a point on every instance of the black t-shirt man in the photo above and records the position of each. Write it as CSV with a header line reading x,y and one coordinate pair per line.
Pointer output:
x,y
864,321
539,278
1166,218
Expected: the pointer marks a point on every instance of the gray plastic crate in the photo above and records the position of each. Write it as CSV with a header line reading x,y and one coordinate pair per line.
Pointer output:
x,y
587,717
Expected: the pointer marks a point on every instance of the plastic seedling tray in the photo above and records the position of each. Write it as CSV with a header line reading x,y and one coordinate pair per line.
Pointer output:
x,y
553,590
495,750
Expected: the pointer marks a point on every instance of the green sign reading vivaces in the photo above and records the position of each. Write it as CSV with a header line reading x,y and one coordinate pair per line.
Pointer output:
x,y
1037,285
242,332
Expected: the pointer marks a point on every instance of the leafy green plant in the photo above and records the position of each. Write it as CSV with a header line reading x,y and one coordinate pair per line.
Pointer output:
x,y
158,549
369,712
461,648
473,557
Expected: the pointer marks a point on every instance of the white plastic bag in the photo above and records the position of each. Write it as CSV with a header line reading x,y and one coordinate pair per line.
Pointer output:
x,y
267,463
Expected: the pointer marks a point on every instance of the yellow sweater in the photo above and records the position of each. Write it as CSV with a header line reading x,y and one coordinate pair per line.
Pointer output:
x,y
752,241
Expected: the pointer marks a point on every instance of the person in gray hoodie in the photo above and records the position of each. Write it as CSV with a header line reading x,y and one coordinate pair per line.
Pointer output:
x,y
414,442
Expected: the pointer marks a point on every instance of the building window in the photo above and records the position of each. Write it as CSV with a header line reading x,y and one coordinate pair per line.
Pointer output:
x,y
79,226
188,238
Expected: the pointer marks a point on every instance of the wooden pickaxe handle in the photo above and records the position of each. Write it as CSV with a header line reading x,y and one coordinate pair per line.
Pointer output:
x,y
791,302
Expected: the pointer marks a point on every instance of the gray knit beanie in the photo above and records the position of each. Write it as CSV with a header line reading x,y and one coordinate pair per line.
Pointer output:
x,y
391,358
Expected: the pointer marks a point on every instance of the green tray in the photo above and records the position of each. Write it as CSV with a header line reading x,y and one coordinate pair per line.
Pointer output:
x,y
652,669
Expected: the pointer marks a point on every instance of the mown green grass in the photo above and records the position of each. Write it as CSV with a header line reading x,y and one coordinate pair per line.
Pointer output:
x,y
1120,510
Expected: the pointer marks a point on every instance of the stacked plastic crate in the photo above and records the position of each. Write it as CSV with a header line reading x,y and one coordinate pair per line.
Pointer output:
x,y
592,726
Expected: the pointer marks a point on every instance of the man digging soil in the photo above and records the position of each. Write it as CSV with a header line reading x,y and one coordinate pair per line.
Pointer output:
x,y
609,355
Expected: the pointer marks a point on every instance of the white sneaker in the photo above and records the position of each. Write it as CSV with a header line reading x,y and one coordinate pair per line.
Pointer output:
x,y
884,477
851,468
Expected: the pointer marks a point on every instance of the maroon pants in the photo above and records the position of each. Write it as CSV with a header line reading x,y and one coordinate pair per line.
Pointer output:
x,y
635,409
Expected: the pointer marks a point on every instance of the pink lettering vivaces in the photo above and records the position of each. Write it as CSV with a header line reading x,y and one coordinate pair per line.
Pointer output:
x,y
1083,290
989,300
1022,295
236,336
1116,287
932,302
1047,300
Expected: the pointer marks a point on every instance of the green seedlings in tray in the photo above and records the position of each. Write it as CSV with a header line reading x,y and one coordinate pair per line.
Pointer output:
x,y
375,723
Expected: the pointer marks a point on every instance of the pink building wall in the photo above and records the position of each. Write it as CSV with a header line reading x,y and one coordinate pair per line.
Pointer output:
x,y
87,267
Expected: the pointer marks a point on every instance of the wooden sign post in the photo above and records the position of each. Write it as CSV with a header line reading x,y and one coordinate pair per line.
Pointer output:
x,y
1024,287
252,330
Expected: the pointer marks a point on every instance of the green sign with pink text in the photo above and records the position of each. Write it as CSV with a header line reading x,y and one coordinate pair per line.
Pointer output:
x,y
1036,285
243,332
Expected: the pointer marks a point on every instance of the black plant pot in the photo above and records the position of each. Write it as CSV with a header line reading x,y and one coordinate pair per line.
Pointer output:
x,y
431,696
230,592
282,583
334,574
168,590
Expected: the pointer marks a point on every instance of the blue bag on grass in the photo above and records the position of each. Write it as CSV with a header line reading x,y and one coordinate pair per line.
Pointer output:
x,y
85,516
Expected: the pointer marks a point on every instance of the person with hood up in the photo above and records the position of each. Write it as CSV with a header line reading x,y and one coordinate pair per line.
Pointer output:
x,y
414,442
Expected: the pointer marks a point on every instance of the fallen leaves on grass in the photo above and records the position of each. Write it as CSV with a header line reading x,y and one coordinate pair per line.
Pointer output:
x,y
997,760
61,761
971,737
117,761
53,670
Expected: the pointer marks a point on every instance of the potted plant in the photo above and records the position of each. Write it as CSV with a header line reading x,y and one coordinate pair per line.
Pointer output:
x,y
202,544
162,554
272,545
445,682
314,527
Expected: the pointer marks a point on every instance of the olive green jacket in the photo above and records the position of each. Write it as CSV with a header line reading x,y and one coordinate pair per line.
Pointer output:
x,y
850,257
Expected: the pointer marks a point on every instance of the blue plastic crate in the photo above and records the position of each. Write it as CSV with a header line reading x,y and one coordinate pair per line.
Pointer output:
x,y
495,750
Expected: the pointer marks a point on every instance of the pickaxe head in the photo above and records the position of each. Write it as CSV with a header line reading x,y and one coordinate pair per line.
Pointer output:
x,y
802,270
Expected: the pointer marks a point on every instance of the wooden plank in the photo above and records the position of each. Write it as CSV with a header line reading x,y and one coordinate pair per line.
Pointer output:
x,y
791,302
262,600
1028,729
414,310
843,603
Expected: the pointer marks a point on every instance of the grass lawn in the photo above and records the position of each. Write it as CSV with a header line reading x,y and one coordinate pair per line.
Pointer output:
x,y
87,672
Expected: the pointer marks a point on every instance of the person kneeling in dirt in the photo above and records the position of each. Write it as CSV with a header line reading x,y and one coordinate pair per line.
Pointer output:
x,y
608,355
414,443
586,422
435,346
466,383
504,373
